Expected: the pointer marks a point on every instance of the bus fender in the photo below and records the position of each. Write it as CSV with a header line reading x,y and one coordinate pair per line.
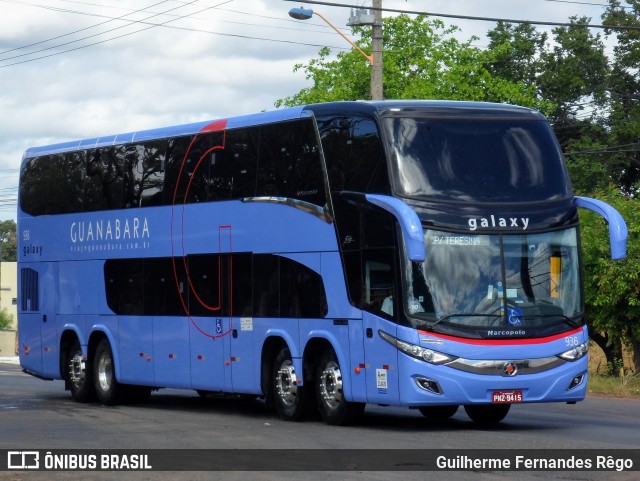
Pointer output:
x,y
294,349
342,360
76,330
103,329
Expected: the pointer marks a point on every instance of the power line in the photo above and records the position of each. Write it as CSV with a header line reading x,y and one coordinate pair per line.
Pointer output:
x,y
152,25
613,149
112,30
473,18
76,31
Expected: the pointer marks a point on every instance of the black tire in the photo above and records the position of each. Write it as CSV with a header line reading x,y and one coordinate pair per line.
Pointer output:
x,y
108,390
487,413
333,407
290,399
79,375
438,413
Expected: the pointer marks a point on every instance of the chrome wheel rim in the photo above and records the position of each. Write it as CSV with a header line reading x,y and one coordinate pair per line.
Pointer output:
x,y
105,372
330,385
77,369
286,387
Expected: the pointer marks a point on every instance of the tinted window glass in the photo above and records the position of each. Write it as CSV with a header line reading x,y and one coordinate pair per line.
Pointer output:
x,y
487,160
241,152
289,163
242,277
105,179
354,154
205,285
153,165
124,280
162,287
177,150
266,286
199,168
29,297
53,184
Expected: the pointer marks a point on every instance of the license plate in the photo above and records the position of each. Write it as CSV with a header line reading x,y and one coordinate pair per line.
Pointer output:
x,y
501,397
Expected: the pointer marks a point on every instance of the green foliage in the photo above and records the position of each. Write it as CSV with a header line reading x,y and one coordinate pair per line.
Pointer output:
x,y
592,101
612,289
8,243
6,320
422,60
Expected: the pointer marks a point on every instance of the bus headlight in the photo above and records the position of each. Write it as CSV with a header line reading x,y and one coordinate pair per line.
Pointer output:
x,y
419,352
575,353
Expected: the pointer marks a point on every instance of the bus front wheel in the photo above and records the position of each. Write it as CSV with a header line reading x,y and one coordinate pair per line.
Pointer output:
x,y
438,413
333,407
104,375
290,399
487,413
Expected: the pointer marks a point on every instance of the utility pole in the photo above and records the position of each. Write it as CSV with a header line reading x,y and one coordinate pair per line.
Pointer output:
x,y
365,17
376,50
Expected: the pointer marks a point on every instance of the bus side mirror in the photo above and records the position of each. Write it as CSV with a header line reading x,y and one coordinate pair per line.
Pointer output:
x,y
409,224
618,231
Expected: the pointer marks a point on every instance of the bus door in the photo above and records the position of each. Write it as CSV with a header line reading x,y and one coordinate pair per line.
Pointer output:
x,y
381,358
37,328
209,323
239,356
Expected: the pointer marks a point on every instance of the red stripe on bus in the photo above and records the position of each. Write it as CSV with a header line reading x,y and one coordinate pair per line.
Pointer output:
x,y
503,342
216,126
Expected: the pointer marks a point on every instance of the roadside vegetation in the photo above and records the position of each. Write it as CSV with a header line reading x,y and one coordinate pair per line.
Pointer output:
x,y
586,81
612,378
625,384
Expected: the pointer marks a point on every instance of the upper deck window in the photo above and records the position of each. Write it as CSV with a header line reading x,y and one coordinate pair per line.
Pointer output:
x,y
480,159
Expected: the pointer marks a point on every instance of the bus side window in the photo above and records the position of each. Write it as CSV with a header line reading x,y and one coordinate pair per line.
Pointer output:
x,y
354,154
153,167
378,282
241,150
53,184
124,281
289,164
266,285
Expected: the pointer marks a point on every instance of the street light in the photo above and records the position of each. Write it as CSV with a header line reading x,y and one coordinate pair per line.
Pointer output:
x,y
307,13
375,59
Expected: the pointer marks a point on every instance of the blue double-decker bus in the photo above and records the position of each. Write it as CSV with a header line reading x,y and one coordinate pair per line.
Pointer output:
x,y
411,253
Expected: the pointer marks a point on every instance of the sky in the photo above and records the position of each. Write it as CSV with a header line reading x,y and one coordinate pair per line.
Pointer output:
x,y
75,69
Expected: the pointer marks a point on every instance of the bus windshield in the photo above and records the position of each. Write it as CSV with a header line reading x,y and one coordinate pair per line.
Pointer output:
x,y
486,159
485,281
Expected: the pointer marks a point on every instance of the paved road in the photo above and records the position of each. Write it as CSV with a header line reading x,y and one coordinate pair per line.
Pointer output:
x,y
41,415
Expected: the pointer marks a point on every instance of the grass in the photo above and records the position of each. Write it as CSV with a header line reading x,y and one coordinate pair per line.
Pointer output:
x,y
624,385
624,382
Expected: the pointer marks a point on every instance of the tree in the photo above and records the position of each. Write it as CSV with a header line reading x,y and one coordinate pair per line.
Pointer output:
x,y
612,289
592,103
624,91
422,59
8,242
570,77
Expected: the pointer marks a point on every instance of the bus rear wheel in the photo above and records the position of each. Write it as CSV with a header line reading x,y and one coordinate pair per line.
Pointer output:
x,y
333,407
487,413
108,390
79,375
291,400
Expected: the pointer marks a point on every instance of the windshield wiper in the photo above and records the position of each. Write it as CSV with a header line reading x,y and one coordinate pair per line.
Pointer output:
x,y
431,326
565,319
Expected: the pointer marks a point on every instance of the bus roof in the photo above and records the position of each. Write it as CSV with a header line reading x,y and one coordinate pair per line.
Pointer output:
x,y
172,131
430,107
